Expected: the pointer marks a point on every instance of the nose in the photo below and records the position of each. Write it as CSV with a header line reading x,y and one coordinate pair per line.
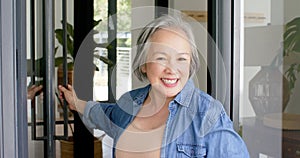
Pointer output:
x,y
171,67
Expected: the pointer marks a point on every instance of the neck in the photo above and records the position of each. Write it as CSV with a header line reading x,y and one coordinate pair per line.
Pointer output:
x,y
158,99
154,104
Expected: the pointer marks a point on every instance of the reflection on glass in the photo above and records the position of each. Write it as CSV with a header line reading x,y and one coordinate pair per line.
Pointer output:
x,y
266,91
269,105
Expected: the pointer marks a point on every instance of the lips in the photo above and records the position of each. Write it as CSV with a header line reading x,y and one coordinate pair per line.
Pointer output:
x,y
169,82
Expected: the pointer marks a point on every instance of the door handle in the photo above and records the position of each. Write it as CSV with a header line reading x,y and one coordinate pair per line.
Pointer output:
x,y
65,72
65,119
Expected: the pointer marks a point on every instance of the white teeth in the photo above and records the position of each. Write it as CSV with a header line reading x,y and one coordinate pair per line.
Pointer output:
x,y
169,81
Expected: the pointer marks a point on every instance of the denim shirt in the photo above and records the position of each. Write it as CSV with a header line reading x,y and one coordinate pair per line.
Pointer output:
x,y
197,125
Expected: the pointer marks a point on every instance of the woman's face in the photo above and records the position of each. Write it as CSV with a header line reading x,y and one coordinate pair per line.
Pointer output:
x,y
168,61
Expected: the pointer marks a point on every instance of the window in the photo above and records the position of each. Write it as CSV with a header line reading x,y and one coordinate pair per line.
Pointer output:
x,y
123,61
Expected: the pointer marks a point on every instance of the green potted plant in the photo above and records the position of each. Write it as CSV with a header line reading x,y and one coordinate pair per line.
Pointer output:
x,y
40,63
70,51
67,145
290,55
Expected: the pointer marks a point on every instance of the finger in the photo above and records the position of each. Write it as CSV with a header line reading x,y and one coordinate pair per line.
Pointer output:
x,y
38,88
62,88
70,87
31,87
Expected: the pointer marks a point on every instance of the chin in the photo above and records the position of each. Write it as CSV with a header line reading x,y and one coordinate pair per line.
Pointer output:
x,y
172,94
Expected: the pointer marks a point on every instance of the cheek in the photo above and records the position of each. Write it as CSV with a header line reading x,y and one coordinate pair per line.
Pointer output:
x,y
154,66
153,70
184,68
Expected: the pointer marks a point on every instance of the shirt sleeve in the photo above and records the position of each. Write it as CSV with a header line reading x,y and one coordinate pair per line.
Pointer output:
x,y
223,141
97,116
85,118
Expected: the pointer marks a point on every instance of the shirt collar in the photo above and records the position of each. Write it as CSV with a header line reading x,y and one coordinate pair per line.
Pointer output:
x,y
185,95
140,98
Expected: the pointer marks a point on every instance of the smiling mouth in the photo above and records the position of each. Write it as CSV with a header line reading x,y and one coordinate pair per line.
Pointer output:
x,y
169,81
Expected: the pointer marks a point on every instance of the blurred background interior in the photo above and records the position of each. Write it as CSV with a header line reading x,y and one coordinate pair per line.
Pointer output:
x,y
250,56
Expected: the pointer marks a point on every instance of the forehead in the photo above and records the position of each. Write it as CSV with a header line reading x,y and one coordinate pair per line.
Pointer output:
x,y
168,33
170,38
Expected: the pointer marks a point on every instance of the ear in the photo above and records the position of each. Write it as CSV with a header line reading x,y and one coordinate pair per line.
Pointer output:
x,y
143,68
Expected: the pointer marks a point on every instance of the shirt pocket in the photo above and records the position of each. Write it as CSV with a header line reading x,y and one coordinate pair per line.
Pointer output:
x,y
189,150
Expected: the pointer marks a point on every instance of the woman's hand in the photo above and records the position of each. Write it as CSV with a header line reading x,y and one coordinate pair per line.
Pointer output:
x,y
33,91
70,96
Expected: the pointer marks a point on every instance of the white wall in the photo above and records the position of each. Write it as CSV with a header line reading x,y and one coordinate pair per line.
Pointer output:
x,y
260,7
261,44
188,5
142,13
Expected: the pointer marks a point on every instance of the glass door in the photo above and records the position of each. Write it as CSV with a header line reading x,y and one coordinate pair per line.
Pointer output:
x,y
269,109
35,79
43,108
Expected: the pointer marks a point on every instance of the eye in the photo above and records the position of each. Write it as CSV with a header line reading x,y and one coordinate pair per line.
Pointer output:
x,y
161,58
182,59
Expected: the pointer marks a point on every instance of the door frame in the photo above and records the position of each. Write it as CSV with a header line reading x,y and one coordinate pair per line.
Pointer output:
x,y
13,109
224,26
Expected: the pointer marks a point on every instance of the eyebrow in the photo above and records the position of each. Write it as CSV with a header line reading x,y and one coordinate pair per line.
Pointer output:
x,y
184,53
164,53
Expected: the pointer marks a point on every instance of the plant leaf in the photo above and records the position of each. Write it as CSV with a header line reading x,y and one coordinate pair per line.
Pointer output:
x,y
95,23
70,46
55,50
105,60
70,30
59,37
103,45
60,60
292,36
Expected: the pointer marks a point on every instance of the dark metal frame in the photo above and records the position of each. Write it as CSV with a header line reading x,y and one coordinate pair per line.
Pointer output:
x,y
48,55
65,67
83,24
49,143
49,122
161,7
221,27
112,53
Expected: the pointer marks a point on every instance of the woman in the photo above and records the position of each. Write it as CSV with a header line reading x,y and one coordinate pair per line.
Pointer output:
x,y
170,117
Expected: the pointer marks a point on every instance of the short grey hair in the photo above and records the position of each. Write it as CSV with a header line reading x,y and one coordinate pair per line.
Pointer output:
x,y
163,22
